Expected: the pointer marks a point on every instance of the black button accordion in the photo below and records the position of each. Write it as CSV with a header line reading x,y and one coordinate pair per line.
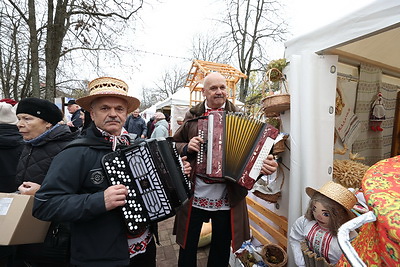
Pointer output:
x,y
152,171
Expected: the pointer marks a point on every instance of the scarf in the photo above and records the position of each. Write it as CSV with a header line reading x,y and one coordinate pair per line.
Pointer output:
x,y
35,141
122,139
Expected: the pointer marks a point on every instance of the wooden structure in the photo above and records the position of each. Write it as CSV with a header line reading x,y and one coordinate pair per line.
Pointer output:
x,y
200,69
278,230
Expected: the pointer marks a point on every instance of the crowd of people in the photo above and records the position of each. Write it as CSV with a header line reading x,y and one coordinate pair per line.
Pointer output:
x,y
60,165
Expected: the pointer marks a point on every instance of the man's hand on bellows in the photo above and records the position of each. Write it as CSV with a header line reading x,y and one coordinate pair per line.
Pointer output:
x,y
269,165
115,196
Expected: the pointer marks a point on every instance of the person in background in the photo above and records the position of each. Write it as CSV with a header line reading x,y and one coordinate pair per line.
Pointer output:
x,y
76,122
44,138
222,202
81,194
86,119
11,145
150,126
160,126
179,120
135,124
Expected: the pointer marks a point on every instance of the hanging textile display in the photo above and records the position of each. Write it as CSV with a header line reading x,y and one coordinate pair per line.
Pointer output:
x,y
346,122
374,145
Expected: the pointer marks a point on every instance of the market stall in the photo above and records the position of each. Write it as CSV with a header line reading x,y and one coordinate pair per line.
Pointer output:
x,y
356,58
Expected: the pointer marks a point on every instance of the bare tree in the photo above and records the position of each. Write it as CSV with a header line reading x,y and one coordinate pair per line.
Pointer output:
x,y
150,96
211,48
251,24
14,58
171,81
66,26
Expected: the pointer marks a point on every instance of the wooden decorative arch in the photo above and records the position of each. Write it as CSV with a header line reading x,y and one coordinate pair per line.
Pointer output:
x,y
201,69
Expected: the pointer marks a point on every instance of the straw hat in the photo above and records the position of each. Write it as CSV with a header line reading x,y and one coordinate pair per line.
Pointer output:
x,y
107,86
337,193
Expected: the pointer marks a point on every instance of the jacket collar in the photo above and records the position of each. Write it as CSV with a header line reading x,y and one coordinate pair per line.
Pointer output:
x,y
200,109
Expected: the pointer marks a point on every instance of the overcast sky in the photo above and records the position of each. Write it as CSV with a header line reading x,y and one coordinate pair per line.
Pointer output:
x,y
169,27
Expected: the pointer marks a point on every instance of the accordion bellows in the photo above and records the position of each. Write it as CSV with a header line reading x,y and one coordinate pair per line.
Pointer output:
x,y
235,147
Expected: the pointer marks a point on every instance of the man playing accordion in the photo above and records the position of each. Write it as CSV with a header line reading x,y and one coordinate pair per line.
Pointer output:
x,y
76,190
223,202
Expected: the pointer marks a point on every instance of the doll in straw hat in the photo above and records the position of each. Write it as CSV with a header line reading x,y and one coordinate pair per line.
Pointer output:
x,y
329,208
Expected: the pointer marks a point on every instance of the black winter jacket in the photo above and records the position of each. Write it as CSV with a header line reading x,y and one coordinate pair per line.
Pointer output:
x,y
74,192
35,160
136,125
11,145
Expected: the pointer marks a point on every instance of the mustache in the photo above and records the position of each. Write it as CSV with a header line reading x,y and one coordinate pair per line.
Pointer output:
x,y
112,120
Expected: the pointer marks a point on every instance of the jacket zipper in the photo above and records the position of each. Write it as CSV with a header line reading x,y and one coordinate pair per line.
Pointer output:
x,y
27,163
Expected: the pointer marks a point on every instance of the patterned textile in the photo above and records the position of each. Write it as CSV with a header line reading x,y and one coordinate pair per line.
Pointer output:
x,y
374,146
123,139
378,243
318,240
347,123
210,197
139,244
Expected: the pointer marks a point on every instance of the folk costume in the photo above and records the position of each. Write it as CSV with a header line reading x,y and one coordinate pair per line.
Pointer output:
x,y
227,199
319,239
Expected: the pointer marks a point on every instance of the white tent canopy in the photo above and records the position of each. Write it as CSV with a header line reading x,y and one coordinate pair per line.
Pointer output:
x,y
180,98
370,35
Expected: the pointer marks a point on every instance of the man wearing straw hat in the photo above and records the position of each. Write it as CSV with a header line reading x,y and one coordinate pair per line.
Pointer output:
x,y
78,192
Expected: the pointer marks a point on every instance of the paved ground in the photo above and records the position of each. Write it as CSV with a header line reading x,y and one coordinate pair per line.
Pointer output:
x,y
167,253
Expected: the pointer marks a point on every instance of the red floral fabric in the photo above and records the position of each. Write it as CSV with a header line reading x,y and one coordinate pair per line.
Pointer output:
x,y
378,243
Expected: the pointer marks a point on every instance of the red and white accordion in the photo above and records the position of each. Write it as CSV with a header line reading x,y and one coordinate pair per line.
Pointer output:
x,y
153,174
235,147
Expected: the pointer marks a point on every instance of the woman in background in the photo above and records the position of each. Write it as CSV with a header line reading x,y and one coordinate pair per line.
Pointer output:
x,y
44,138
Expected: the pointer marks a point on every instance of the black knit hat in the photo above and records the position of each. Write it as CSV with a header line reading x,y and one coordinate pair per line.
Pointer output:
x,y
40,108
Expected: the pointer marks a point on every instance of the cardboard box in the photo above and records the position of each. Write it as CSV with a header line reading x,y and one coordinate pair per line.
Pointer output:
x,y
17,225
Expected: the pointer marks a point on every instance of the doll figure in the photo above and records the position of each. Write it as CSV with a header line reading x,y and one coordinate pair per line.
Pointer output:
x,y
328,209
377,114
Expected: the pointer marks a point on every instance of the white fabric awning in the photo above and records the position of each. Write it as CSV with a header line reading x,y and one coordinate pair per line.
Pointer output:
x,y
370,34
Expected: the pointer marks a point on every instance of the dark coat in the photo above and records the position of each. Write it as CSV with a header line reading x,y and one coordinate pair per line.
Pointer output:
x,y
35,160
11,145
236,193
76,121
136,125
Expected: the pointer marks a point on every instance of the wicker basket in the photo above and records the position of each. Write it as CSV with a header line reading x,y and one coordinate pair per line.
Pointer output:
x,y
275,103
272,198
274,256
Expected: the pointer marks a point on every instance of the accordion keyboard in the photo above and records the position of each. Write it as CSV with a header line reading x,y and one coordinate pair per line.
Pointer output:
x,y
147,200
